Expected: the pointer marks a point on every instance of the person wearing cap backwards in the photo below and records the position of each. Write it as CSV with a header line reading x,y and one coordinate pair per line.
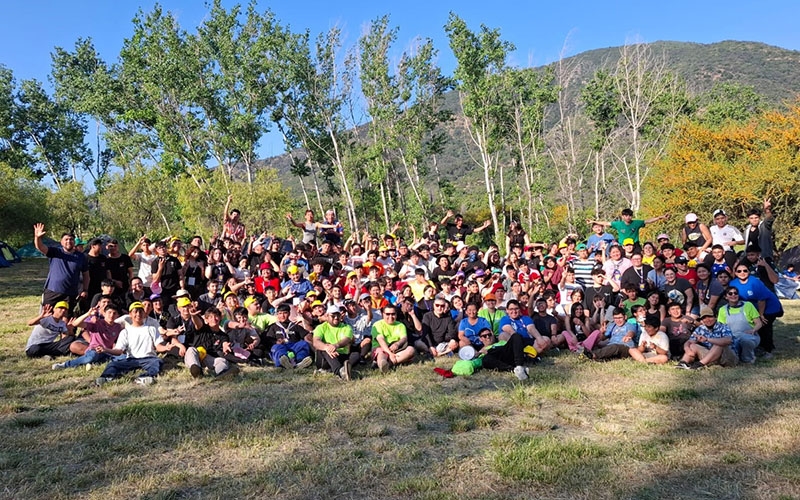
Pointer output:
x,y
138,341
710,343
332,341
51,335
68,270
628,227
103,331
683,270
697,232
457,230
726,235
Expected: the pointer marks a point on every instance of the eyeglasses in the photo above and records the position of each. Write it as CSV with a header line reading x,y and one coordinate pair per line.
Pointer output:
x,y
512,309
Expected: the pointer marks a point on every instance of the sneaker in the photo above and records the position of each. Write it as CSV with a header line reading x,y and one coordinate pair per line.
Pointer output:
x,y
59,366
383,365
145,380
48,357
196,371
323,371
344,372
521,372
697,366
683,365
88,366
228,374
305,363
102,380
767,356
286,362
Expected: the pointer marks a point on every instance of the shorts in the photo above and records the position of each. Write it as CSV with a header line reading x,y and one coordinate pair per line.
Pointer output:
x,y
728,358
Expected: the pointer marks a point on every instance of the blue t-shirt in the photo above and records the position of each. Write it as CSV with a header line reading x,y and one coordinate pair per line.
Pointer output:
x,y
616,333
593,242
471,331
520,325
66,271
754,290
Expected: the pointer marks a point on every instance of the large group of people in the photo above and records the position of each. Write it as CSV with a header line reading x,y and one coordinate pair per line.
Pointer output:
x,y
340,305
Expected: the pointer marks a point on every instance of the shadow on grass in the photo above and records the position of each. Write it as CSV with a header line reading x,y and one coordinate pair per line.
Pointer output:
x,y
23,279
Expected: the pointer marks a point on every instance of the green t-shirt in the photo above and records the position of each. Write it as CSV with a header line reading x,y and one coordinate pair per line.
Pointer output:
x,y
262,321
391,333
625,231
750,312
628,304
493,319
334,334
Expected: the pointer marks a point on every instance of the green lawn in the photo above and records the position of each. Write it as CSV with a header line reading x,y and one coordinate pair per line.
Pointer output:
x,y
575,430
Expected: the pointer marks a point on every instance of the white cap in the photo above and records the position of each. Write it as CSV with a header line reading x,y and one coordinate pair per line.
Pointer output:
x,y
692,217
333,309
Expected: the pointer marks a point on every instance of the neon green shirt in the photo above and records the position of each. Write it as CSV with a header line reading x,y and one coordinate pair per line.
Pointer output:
x,y
391,333
334,334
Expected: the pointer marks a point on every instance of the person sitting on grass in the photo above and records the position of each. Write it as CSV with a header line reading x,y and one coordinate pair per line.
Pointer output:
x,y
709,344
138,341
288,340
506,355
207,345
516,322
619,339
51,336
103,332
653,344
744,321
332,341
389,341
245,340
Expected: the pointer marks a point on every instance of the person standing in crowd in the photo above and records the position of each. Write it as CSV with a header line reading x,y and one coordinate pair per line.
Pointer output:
x,y
627,226
232,226
759,232
68,276
696,232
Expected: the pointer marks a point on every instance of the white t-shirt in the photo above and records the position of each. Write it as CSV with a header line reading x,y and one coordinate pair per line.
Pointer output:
x,y
146,267
660,339
724,234
138,341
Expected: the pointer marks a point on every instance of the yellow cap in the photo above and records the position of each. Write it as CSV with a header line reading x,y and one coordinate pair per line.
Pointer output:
x,y
183,302
62,304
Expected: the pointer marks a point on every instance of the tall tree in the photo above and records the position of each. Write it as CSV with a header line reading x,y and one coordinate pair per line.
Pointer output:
x,y
481,59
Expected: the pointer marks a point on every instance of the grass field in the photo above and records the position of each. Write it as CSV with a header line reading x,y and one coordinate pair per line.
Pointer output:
x,y
575,430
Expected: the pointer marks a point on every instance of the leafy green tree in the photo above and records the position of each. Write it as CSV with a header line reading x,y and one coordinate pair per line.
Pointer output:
x,y
729,101
481,59
23,201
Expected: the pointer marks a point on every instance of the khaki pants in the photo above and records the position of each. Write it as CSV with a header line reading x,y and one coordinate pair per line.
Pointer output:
x,y
192,357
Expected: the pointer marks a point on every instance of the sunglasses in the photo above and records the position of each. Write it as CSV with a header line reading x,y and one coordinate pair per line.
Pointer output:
x,y
390,314
487,336
732,294
741,271
438,305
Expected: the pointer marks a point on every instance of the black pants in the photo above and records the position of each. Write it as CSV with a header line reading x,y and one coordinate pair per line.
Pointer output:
x,y
60,348
357,353
766,333
506,357
334,362
52,298
612,351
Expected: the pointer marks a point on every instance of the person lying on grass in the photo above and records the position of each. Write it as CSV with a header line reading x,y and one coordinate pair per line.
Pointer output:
x,y
501,355
103,331
653,344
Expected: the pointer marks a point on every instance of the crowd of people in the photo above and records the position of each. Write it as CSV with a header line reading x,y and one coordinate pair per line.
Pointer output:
x,y
340,304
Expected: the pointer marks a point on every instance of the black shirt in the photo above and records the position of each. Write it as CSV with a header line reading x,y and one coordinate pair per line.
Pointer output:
x,y
170,277
119,267
97,273
206,338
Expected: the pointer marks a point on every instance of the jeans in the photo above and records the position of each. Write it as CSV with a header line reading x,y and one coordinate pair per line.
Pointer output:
x,y
90,357
301,350
744,345
151,366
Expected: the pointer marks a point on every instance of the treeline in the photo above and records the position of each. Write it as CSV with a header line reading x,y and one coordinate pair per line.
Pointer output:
x,y
181,114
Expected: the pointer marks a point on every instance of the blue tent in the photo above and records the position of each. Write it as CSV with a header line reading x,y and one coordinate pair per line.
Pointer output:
x,y
9,254
30,250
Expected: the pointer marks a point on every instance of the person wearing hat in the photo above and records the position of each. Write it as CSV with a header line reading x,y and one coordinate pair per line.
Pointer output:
x,y
724,234
583,265
697,232
68,274
332,341
491,313
103,332
138,341
361,316
458,231
710,343
683,270
627,226
207,344
296,286
260,320
51,335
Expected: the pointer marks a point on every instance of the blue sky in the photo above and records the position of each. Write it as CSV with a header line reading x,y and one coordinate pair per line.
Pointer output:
x,y
540,30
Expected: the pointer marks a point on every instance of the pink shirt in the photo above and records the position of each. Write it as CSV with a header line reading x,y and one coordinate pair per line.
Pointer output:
x,y
102,334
